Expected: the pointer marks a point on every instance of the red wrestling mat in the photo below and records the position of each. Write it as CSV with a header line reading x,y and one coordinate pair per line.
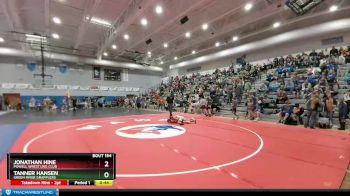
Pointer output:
x,y
214,153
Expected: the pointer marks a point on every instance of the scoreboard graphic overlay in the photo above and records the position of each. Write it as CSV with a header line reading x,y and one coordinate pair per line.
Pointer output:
x,y
83,169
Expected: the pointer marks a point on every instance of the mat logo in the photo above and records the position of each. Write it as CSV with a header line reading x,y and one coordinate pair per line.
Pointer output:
x,y
8,191
150,131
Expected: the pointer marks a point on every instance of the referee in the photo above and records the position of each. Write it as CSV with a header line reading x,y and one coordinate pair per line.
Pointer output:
x,y
170,101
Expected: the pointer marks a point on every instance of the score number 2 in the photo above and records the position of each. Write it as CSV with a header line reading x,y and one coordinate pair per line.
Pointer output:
x,y
106,174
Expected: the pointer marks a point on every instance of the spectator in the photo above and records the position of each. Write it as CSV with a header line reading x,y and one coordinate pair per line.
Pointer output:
x,y
234,108
238,93
297,113
247,86
263,88
312,105
138,103
74,103
250,109
285,112
347,101
334,52
170,102
274,86
282,97
343,111
32,103
259,108
305,88
216,104
289,86
347,77
314,58
203,105
332,77
330,108
347,55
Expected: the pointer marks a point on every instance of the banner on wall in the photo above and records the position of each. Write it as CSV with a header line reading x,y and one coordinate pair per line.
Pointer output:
x,y
120,89
104,88
94,88
48,87
136,89
34,87
22,86
62,87
96,73
85,88
74,87
8,86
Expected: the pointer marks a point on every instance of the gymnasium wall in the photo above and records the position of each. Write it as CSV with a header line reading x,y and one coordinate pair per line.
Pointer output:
x,y
76,76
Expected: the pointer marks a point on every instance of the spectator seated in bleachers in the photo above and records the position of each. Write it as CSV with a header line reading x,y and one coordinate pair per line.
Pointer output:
x,y
263,88
282,97
274,86
280,72
347,77
285,113
312,79
331,77
247,86
289,86
333,66
270,77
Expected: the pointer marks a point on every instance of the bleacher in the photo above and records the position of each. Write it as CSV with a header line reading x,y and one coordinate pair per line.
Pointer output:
x,y
269,113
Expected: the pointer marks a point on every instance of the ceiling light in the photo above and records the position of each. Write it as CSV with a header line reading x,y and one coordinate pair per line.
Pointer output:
x,y
2,39
101,22
56,20
55,36
205,27
193,52
161,62
144,22
235,38
87,17
333,8
35,38
105,54
159,9
248,6
217,44
114,46
165,45
188,34
149,53
276,24
126,37
175,58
